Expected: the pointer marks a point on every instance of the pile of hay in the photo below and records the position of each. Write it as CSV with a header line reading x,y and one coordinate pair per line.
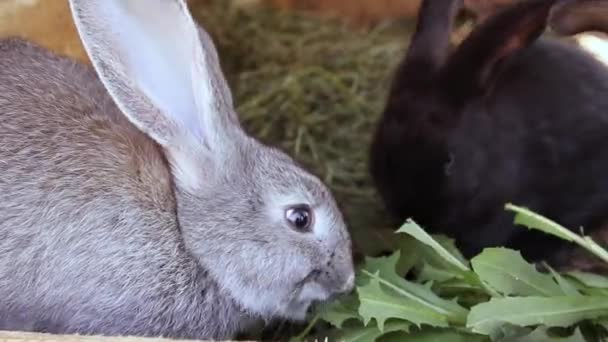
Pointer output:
x,y
315,87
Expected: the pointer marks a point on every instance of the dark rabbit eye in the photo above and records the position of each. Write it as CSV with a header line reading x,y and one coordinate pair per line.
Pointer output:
x,y
299,217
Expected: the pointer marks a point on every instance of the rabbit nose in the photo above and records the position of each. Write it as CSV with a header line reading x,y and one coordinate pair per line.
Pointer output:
x,y
339,278
337,284
345,286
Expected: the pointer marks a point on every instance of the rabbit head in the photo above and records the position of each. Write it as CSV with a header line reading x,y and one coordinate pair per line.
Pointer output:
x,y
410,160
268,232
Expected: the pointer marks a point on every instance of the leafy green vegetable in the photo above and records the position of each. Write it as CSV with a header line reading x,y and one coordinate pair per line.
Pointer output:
x,y
377,304
590,279
556,311
338,312
501,297
371,332
507,271
433,335
512,333
534,221
381,305
430,272
383,270
542,334
413,229
567,287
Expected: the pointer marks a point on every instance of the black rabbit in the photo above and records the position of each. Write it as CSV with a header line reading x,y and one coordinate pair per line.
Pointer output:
x,y
510,115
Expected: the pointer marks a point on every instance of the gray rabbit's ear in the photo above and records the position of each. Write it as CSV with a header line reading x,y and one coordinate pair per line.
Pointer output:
x,y
162,70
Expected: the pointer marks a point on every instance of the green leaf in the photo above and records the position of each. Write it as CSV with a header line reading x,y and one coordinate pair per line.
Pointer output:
x,y
541,334
433,266
409,256
559,311
385,265
339,311
384,269
429,272
567,287
450,245
507,272
413,229
509,333
433,335
371,332
467,295
529,219
382,305
532,220
458,285
590,279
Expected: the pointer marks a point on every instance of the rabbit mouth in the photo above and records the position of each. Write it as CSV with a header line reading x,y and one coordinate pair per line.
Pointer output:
x,y
307,293
299,310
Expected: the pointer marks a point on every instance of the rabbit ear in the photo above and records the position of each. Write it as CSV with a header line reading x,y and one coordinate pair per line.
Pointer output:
x,y
430,42
161,69
571,17
477,62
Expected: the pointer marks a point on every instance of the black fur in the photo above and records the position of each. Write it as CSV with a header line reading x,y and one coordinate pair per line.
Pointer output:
x,y
510,116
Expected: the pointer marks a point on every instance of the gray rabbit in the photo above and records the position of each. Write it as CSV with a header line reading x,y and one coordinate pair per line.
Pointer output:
x,y
133,203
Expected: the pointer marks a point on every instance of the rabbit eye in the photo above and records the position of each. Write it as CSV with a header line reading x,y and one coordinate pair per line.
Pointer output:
x,y
299,217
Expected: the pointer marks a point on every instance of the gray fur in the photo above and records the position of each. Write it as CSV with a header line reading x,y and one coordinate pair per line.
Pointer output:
x,y
100,235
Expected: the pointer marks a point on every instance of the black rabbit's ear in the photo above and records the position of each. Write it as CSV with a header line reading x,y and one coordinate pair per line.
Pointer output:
x,y
571,17
429,46
477,62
